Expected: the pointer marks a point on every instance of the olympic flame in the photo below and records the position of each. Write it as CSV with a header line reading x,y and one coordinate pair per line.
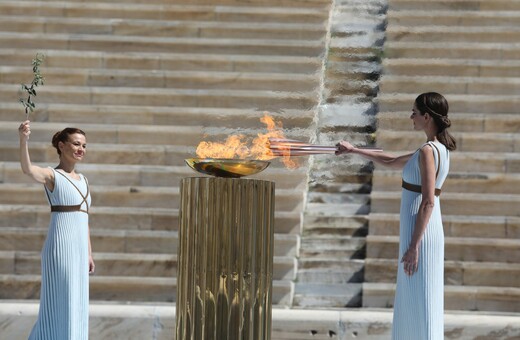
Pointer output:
x,y
242,147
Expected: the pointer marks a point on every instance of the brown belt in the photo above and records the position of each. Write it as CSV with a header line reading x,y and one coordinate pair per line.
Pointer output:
x,y
67,208
417,188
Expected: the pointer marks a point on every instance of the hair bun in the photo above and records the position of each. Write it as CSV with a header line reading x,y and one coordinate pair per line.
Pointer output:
x,y
446,121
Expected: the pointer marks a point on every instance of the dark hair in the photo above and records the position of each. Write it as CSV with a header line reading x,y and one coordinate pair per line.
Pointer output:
x,y
437,107
63,136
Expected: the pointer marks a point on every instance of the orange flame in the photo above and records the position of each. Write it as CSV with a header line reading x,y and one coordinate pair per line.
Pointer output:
x,y
238,146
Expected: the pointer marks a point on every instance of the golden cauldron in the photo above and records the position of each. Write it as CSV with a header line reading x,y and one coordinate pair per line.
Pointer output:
x,y
227,168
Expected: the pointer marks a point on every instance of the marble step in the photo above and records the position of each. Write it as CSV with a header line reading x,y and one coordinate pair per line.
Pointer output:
x,y
95,60
332,246
455,203
319,295
167,79
112,134
455,5
163,28
475,226
466,141
137,321
133,154
457,182
482,103
474,298
125,241
149,176
474,249
439,33
477,162
117,288
317,225
108,153
330,271
450,85
492,274
264,100
170,11
480,162
461,122
128,44
452,50
144,135
349,87
115,264
120,196
268,3
124,218
458,18
157,115
451,67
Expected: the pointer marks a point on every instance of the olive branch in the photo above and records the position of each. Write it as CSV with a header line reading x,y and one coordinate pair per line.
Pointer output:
x,y
28,103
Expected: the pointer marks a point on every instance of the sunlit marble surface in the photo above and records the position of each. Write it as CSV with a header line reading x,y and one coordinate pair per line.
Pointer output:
x,y
146,321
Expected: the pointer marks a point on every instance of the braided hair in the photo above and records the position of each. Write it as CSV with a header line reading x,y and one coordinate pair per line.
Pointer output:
x,y
63,136
437,107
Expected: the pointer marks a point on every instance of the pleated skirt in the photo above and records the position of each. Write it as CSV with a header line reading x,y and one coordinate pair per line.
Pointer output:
x,y
64,295
419,299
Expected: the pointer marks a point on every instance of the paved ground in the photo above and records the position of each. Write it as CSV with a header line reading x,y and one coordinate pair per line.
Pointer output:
x,y
152,321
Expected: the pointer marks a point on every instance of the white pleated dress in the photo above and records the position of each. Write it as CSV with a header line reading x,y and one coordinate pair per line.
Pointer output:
x,y
419,299
64,295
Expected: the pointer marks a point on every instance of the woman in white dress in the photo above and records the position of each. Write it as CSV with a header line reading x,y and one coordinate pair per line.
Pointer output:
x,y
419,299
66,255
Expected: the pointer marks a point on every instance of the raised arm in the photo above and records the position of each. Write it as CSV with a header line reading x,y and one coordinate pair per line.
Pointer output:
x,y
396,162
39,174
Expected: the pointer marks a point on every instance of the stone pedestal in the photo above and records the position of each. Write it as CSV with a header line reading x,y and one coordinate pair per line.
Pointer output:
x,y
225,259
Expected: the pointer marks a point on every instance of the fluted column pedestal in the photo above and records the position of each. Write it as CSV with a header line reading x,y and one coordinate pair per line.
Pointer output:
x,y
225,259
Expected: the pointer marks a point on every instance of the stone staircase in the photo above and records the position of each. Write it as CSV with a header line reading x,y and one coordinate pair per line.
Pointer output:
x,y
333,247
467,51
147,81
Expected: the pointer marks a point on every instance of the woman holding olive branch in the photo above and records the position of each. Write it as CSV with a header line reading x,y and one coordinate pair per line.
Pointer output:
x,y
66,258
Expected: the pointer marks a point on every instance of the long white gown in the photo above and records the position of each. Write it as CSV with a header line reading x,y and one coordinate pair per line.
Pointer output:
x,y
64,295
419,299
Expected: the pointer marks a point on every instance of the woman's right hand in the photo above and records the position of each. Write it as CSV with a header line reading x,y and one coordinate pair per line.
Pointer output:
x,y
24,130
344,147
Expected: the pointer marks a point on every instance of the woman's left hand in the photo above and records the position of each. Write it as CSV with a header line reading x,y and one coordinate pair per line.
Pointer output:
x,y
410,261
91,265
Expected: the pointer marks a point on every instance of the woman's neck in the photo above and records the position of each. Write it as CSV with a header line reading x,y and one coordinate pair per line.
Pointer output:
x,y
67,167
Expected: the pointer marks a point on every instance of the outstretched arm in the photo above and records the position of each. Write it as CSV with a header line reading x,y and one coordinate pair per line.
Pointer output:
x,y
40,175
385,159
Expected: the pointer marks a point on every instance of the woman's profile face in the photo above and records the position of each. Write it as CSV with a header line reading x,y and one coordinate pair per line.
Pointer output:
x,y
75,148
417,119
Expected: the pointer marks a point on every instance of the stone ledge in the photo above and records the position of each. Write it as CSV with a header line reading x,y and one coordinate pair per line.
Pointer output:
x,y
469,298
149,321
178,11
120,196
164,61
123,218
417,17
456,248
457,182
168,79
163,28
454,225
158,44
491,122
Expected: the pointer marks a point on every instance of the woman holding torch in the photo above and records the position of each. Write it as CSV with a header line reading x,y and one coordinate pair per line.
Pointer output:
x,y
419,298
